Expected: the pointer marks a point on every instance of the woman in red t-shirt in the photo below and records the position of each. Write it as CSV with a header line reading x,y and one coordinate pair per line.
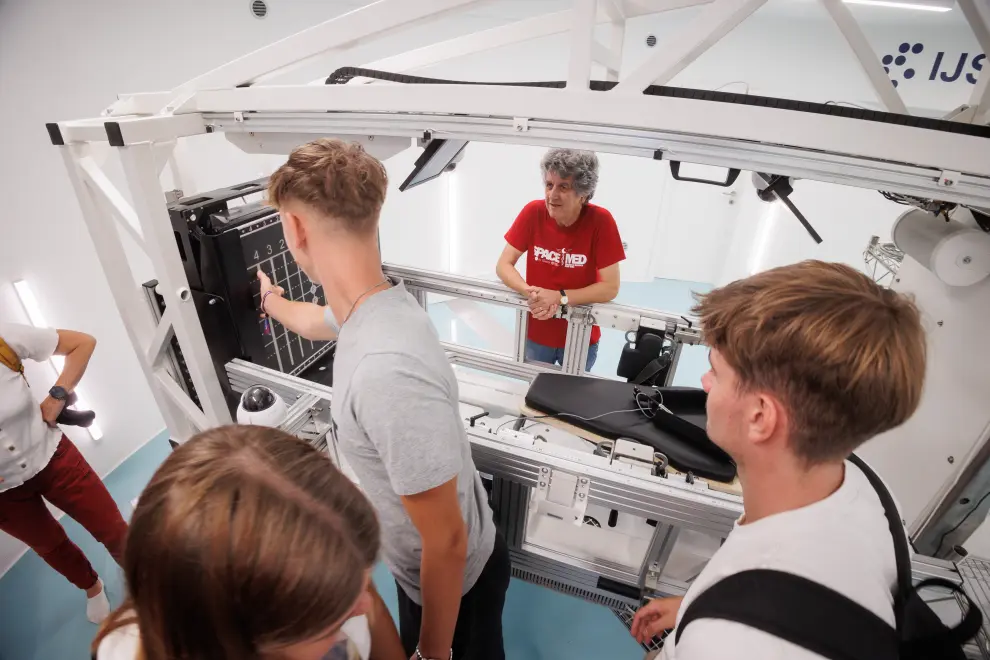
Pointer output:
x,y
574,253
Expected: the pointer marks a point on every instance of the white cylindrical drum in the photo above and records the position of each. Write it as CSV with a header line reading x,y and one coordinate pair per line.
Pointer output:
x,y
957,254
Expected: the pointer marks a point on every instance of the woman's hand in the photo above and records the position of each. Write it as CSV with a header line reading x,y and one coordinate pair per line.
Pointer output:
x,y
655,617
51,408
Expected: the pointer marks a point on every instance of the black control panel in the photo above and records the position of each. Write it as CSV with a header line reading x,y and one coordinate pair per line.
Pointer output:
x,y
223,241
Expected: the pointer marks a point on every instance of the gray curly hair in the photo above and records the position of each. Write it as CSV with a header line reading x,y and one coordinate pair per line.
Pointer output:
x,y
579,166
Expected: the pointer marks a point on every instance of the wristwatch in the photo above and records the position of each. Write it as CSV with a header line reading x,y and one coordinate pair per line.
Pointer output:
x,y
563,297
58,393
420,656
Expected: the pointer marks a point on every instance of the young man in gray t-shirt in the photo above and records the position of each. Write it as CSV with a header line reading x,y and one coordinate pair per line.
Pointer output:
x,y
395,406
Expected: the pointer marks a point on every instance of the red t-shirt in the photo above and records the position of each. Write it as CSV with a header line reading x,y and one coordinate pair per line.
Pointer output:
x,y
564,258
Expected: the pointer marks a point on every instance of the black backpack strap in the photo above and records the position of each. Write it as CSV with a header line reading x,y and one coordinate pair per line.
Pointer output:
x,y
797,610
902,552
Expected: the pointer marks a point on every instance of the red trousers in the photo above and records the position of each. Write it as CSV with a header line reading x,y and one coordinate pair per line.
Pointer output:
x,y
69,483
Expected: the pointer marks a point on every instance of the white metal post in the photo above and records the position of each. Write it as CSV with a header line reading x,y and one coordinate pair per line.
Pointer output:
x,y
149,204
716,21
582,35
881,84
616,40
138,322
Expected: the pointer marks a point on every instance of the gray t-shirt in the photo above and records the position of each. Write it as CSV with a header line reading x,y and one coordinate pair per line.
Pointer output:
x,y
397,419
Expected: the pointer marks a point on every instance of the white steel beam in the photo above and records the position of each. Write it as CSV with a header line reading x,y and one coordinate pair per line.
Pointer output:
x,y
149,203
868,60
120,280
715,22
342,31
634,8
503,35
142,103
978,15
807,132
616,36
160,128
582,37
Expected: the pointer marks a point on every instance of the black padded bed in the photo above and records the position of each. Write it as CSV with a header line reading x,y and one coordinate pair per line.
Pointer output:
x,y
681,436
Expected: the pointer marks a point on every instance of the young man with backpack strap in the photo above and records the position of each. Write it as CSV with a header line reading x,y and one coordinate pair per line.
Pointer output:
x,y
808,362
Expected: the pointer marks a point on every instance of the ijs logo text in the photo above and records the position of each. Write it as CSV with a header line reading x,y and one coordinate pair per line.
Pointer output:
x,y
945,67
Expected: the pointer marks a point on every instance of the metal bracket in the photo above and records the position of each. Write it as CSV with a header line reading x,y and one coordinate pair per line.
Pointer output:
x,y
948,178
521,124
562,495
239,117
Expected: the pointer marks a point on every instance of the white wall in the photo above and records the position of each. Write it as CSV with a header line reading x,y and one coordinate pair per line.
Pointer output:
x,y
65,60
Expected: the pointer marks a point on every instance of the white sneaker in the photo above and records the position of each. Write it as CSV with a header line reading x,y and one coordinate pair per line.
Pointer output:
x,y
98,607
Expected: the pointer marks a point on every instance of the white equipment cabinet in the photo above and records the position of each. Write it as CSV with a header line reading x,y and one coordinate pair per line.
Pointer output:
x,y
543,481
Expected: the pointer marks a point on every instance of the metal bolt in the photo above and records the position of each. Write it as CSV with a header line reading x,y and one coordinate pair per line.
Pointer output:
x,y
518,127
581,496
584,481
371,138
967,260
952,459
543,470
543,484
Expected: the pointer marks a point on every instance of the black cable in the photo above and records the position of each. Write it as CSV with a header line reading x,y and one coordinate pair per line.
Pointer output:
x,y
938,548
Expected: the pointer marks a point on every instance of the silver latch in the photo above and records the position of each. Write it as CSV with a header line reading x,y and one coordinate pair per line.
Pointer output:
x,y
239,117
562,495
948,178
521,124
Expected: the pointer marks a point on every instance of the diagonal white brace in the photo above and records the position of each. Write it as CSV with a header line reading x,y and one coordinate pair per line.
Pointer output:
x,y
111,199
868,60
160,341
172,390
503,35
715,21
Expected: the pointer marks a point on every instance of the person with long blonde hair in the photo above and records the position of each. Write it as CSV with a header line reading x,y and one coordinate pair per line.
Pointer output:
x,y
249,544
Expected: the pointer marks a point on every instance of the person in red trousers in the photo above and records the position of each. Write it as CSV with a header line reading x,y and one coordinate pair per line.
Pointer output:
x,y
38,462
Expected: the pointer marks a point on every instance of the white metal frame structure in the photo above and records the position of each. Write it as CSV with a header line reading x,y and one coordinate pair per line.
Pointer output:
x,y
234,99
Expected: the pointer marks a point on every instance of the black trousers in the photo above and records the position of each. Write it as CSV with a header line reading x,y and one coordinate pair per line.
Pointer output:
x,y
478,635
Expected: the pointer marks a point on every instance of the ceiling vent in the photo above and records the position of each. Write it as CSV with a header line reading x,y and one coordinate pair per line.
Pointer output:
x,y
259,8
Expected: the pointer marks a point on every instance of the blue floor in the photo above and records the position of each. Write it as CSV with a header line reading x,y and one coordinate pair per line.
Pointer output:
x,y
42,617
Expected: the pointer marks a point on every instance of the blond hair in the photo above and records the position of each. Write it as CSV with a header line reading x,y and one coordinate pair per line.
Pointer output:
x,y
845,356
337,179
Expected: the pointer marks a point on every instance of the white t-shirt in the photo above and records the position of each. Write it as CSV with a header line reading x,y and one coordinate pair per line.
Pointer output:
x,y
842,542
124,643
27,444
